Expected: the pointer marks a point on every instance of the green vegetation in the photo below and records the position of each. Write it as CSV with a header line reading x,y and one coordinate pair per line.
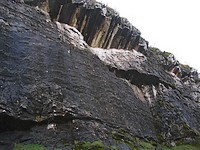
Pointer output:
x,y
29,147
185,66
147,146
124,137
96,145
114,148
183,147
65,143
154,49
167,54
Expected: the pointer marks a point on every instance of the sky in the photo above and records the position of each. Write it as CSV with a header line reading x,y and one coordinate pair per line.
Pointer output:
x,y
170,25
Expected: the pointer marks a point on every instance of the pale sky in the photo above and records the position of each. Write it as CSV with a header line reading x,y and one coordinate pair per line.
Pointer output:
x,y
170,25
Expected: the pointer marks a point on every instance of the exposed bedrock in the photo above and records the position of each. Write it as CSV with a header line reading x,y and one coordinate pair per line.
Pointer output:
x,y
57,91
45,80
100,25
174,104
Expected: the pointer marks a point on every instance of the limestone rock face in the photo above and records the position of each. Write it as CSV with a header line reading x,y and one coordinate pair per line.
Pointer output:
x,y
57,91
100,25
174,103
45,80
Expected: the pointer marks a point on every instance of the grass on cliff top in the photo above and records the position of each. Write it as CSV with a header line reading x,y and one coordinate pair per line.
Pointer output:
x,y
165,54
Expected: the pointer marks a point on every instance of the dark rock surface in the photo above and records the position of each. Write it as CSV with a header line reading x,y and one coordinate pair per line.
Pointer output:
x,y
100,25
174,103
57,91
45,80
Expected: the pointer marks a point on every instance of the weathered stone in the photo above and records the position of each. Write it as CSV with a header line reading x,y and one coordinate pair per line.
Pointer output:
x,y
45,80
167,99
100,25
57,91
19,1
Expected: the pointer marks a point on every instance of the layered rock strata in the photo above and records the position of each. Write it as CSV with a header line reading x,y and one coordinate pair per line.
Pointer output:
x,y
100,25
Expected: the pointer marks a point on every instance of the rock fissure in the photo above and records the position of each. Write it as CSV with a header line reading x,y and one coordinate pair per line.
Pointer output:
x,y
137,78
9,123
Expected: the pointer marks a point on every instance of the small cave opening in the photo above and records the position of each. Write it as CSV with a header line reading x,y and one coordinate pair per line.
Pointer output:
x,y
8,123
135,77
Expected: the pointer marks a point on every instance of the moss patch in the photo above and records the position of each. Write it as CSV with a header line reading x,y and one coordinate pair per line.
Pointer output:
x,y
167,54
147,146
154,49
29,147
183,147
135,143
185,66
96,145
124,137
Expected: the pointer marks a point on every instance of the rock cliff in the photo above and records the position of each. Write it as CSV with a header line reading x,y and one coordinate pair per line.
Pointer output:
x,y
100,25
91,84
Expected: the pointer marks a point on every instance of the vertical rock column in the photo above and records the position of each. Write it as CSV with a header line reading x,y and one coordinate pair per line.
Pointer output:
x,y
100,25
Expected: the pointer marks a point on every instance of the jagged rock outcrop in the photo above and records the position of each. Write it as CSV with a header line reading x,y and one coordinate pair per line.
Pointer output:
x,y
164,91
58,92
100,25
